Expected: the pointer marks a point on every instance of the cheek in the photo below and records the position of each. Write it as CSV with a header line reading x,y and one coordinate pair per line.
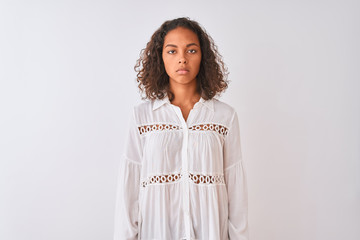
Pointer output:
x,y
167,65
166,60
198,62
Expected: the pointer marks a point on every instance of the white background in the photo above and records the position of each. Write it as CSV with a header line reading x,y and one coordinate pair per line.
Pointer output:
x,y
68,85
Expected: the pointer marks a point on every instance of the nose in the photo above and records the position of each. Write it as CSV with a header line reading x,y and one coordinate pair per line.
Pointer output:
x,y
182,59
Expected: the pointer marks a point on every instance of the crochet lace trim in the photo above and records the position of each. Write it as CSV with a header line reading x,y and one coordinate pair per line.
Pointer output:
x,y
143,129
175,177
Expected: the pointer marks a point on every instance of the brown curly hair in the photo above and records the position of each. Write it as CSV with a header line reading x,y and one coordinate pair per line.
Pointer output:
x,y
151,74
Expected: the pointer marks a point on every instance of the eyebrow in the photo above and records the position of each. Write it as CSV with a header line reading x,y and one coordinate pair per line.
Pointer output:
x,y
190,44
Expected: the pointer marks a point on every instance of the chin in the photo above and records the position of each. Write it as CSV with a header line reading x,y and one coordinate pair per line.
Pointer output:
x,y
183,80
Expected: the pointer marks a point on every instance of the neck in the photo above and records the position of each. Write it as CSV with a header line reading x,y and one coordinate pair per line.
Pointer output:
x,y
184,94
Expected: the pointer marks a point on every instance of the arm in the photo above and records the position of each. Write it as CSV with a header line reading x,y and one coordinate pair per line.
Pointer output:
x,y
236,183
127,204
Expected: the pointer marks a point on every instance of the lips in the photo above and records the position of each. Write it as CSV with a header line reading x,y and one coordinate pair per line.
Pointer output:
x,y
182,71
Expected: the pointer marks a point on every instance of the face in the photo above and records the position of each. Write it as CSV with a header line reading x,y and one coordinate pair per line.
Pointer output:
x,y
181,55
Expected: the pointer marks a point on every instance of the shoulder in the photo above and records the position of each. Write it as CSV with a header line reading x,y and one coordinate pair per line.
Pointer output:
x,y
224,113
142,106
142,109
223,108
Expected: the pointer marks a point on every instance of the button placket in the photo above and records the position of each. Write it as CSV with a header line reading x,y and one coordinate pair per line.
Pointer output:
x,y
185,172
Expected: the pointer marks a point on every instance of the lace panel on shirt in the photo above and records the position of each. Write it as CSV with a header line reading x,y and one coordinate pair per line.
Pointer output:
x,y
207,179
157,127
210,127
162,179
195,178
198,127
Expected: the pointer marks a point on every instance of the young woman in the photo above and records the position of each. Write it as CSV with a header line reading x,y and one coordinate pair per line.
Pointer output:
x,y
182,174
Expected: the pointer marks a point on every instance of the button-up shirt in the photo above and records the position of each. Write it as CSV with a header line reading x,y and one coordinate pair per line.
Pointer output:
x,y
182,179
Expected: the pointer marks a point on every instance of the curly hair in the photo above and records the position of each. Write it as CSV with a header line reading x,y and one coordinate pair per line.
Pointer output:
x,y
152,77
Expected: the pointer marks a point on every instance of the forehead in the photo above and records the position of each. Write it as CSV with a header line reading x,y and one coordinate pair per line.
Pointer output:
x,y
181,35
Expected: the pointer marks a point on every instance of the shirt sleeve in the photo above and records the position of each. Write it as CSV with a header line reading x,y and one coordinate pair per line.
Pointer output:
x,y
236,183
127,200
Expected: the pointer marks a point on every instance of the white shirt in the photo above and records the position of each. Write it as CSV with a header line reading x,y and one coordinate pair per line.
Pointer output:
x,y
182,179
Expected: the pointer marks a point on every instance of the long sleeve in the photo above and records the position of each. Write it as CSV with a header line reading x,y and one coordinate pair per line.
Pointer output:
x,y
127,202
236,183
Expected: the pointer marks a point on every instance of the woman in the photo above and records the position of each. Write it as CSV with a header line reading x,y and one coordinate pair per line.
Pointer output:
x,y
182,174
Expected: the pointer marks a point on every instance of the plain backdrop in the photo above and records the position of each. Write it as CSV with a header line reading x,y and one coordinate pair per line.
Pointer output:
x,y
67,86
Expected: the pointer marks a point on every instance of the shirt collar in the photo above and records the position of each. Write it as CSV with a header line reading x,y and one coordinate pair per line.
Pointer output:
x,y
159,102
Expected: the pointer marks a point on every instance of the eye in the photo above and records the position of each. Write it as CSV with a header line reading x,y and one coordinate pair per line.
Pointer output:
x,y
192,51
171,51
